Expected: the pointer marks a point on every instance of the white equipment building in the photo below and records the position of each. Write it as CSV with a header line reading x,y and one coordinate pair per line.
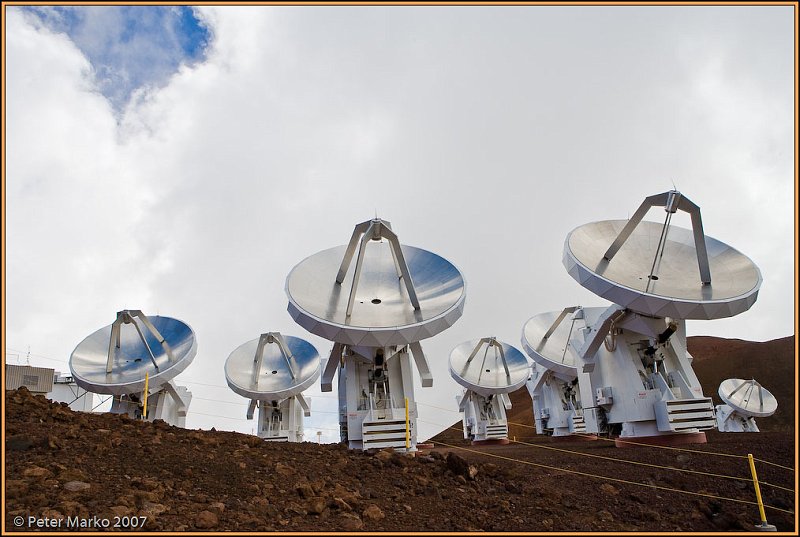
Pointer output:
x,y
66,390
50,383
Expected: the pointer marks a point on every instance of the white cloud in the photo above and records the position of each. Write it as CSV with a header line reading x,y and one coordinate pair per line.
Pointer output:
x,y
75,200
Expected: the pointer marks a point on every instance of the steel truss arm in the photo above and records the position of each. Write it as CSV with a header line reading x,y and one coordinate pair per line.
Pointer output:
x,y
263,341
334,360
489,342
303,404
422,364
128,317
364,232
671,201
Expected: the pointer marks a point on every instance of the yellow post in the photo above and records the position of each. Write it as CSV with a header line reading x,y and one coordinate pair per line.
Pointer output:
x,y
761,512
146,381
408,436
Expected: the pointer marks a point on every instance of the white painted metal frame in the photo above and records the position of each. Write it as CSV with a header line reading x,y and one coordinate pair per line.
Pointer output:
x,y
672,201
128,317
375,230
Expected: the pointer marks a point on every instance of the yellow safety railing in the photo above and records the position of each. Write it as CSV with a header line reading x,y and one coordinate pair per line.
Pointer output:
x,y
672,448
759,501
614,479
616,459
761,512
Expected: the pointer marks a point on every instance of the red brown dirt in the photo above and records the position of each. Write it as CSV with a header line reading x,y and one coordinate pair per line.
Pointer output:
x,y
61,464
771,363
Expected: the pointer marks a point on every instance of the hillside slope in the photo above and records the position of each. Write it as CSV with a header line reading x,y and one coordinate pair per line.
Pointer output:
x,y
771,363
64,466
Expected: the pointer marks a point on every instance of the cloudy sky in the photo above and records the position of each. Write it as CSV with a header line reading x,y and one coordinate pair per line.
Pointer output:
x,y
182,160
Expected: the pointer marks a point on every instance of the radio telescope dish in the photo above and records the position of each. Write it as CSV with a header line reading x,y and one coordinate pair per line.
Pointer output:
x,y
116,358
372,302
748,398
487,366
547,337
662,270
283,370
376,309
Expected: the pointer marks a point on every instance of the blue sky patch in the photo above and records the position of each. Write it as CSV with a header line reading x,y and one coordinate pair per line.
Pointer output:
x,y
129,47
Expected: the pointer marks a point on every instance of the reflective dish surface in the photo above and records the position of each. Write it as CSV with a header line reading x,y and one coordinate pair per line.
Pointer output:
x,y
132,360
486,374
676,289
750,399
382,311
274,381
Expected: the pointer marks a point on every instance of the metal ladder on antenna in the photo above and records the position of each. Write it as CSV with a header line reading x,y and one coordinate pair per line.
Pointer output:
x,y
386,427
680,415
383,434
497,431
683,414
577,423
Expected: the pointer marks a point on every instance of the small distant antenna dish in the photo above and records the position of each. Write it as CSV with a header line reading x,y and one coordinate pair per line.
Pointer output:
x,y
489,370
662,270
748,398
744,401
488,366
272,371
549,339
272,367
119,359
554,340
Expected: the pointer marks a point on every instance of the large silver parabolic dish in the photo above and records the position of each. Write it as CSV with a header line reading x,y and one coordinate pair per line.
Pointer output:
x,y
748,397
274,381
382,313
485,374
555,352
132,360
677,292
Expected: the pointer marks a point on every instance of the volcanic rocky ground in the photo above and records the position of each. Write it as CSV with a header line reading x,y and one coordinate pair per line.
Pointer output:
x,y
69,466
